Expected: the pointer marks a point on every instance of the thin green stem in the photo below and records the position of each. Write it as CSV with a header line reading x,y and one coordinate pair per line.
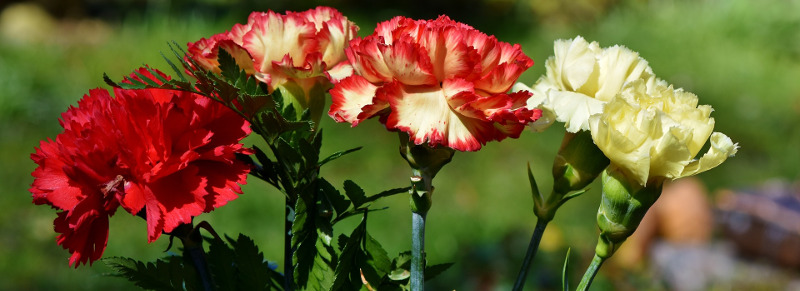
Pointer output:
x,y
586,281
417,251
288,251
533,246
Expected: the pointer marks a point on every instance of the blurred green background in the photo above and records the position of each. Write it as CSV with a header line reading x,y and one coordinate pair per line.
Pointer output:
x,y
740,56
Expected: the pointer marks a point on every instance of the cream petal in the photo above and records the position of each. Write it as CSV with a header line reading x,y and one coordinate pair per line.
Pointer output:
x,y
574,109
339,72
618,65
424,113
349,97
721,148
574,61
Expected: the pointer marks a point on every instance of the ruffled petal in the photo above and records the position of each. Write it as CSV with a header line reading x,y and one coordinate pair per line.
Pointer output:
x,y
721,148
349,97
574,109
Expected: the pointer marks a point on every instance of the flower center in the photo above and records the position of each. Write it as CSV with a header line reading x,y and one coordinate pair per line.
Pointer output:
x,y
111,186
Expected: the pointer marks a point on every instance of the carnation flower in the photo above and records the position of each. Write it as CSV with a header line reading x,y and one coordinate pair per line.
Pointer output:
x,y
294,52
654,132
163,154
440,81
581,77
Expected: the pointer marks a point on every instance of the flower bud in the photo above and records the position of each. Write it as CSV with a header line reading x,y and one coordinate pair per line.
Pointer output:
x,y
623,205
577,163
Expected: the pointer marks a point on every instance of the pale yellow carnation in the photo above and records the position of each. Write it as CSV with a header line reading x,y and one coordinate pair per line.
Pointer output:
x,y
653,132
581,77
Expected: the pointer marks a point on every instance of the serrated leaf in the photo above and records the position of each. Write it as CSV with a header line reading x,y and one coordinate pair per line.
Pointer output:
x,y
175,48
148,82
347,275
134,84
355,193
228,67
221,264
310,154
290,159
335,198
313,255
251,265
168,274
376,262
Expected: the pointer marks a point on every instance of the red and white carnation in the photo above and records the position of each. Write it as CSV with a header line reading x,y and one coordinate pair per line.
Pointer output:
x,y
300,47
440,81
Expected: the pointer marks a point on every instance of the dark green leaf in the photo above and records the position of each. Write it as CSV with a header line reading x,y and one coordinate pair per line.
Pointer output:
x,y
109,81
376,262
168,274
348,275
355,193
221,264
387,193
251,265
433,271
336,199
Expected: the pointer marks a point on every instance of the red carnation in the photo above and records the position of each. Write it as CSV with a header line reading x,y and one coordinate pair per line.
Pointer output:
x,y
168,153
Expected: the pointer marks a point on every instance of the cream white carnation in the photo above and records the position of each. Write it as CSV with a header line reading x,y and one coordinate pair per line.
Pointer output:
x,y
653,132
581,77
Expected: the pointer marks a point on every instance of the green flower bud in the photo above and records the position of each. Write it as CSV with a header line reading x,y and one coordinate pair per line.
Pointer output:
x,y
577,163
622,207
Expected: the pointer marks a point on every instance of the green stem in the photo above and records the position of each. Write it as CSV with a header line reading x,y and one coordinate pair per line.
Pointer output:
x,y
288,251
421,189
586,281
533,246
417,251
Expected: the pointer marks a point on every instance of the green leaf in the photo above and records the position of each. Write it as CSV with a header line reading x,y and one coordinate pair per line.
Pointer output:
x,y
433,271
310,155
387,193
221,265
149,82
313,256
355,193
337,155
109,81
179,57
564,277
537,196
167,274
290,159
376,263
347,275
401,266
251,264
337,200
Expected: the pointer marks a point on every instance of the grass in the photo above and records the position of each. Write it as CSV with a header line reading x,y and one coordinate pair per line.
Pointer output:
x,y
742,59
